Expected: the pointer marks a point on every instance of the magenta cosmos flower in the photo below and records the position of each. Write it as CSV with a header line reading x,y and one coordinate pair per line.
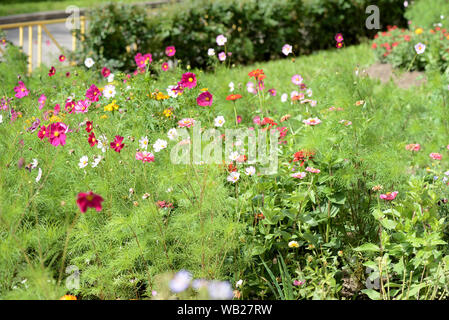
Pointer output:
x,y
339,37
170,51
81,106
89,200
389,196
105,72
143,60
117,144
188,80
21,90
93,93
145,156
165,66
204,99
41,101
435,156
56,133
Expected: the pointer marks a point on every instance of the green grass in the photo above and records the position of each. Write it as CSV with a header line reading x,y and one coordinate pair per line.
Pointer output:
x,y
29,7
126,249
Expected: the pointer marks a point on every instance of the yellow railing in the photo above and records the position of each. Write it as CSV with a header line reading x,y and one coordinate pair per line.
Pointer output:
x,y
41,25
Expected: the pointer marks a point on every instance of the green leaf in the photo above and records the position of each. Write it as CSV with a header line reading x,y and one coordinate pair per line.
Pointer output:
x,y
372,294
370,247
388,224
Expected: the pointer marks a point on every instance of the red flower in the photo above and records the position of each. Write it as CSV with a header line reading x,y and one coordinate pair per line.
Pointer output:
x,y
170,51
257,74
165,66
233,97
52,71
89,200
105,72
92,140
188,80
62,58
339,45
89,126
93,93
374,46
117,144
43,133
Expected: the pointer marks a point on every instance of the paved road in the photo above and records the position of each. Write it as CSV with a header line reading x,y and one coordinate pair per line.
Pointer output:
x,y
50,51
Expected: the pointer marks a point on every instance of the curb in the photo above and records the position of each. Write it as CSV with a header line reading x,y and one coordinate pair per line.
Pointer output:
x,y
50,15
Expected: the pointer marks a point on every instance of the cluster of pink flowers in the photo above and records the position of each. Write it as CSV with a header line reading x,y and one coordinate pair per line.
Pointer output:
x,y
55,132
21,90
145,156
186,123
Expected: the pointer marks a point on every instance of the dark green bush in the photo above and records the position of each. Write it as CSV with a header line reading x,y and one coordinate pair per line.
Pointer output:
x,y
256,30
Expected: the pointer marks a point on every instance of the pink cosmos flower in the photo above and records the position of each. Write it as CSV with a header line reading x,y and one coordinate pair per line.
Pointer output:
x,y
42,133
204,99
41,101
239,119
435,156
413,147
93,93
256,120
311,121
117,144
21,90
297,79
339,37
186,123
312,170
89,200
56,133
145,156
389,196
299,175
143,60
165,66
272,92
222,56
170,51
188,80
82,106
52,71
286,49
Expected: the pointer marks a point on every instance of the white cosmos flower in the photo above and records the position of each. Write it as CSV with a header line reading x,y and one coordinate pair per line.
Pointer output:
x,y
250,171
159,145
233,177
34,163
89,62
172,134
110,78
102,143
211,52
39,175
143,142
1,118
221,40
234,156
239,283
420,48
84,161
181,281
97,160
231,86
309,92
284,97
109,91
219,121
171,92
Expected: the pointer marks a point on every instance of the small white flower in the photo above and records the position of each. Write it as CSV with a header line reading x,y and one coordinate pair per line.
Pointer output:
x,y
219,121
172,92
420,48
309,92
284,97
143,142
287,49
159,145
34,163
172,134
233,177
39,175
170,189
294,94
110,78
231,86
233,156
109,91
239,283
96,161
102,143
222,56
84,161
221,40
1,118
89,62
250,171
211,52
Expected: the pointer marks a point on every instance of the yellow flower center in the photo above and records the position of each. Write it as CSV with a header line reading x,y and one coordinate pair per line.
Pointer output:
x,y
90,197
56,134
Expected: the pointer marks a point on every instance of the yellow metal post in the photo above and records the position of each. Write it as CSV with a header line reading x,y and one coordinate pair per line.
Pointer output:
x,y
83,27
21,38
73,41
39,45
30,49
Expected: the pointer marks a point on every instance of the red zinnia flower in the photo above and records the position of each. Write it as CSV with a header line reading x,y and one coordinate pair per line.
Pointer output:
x,y
92,140
204,99
89,126
117,144
233,97
89,200
257,74
52,71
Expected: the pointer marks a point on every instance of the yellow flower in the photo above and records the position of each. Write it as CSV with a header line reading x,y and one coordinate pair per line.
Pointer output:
x,y
204,89
105,116
111,107
293,244
68,297
168,112
419,31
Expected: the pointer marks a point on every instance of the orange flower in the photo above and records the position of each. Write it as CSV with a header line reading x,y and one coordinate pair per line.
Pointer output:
x,y
68,297
233,97
257,74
